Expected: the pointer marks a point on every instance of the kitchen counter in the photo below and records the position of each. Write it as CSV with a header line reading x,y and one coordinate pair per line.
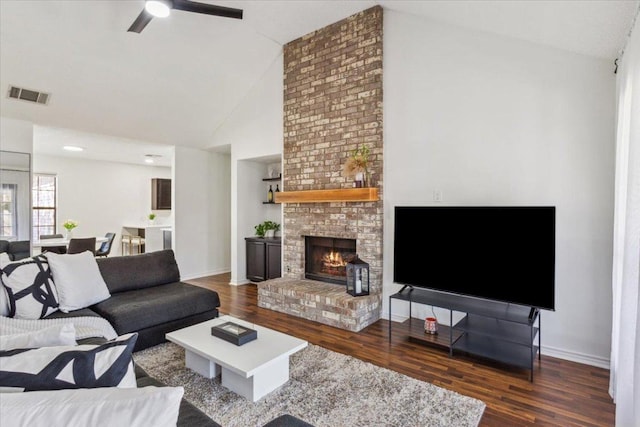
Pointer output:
x,y
152,234
147,226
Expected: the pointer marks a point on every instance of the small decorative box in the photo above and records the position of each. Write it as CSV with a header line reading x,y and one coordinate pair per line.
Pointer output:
x,y
234,333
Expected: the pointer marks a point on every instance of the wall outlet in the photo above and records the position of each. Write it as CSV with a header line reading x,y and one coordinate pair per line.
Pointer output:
x,y
437,195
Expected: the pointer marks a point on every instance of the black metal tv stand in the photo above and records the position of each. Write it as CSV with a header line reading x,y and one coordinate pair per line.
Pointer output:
x,y
491,329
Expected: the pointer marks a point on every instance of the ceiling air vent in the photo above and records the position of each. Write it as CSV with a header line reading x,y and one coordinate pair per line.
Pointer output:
x,y
28,95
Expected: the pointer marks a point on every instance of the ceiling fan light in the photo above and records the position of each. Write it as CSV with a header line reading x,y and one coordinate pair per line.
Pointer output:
x,y
158,8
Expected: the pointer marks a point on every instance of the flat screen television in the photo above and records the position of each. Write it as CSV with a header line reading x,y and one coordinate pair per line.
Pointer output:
x,y
501,253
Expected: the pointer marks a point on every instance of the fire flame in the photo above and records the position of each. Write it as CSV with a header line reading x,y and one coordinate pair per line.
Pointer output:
x,y
333,259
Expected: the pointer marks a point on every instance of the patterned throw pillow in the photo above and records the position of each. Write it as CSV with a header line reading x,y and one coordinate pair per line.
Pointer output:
x,y
4,299
30,288
65,367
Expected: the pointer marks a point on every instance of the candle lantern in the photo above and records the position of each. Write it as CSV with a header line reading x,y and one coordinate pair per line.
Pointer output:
x,y
357,277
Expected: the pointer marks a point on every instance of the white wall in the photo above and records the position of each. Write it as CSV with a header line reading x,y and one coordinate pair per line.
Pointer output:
x,y
16,135
490,120
201,205
254,132
102,196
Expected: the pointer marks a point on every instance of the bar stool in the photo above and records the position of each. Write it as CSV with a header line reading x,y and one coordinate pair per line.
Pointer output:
x,y
136,245
132,244
126,244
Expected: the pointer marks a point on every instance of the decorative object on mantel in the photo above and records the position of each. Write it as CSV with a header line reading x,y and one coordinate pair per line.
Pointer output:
x,y
267,228
357,277
356,167
69,225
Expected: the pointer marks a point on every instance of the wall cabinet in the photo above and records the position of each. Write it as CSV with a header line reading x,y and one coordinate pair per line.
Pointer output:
x,y
160,194
264,258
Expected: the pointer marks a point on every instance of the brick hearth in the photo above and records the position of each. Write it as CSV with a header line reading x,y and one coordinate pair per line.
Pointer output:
x,y
318,301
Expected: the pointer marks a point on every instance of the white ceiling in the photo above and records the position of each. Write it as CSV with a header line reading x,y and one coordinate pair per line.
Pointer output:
x,y
177,81
50,140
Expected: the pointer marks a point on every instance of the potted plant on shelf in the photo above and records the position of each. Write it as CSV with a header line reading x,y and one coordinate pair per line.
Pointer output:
x,y
267,228
270,228
260,230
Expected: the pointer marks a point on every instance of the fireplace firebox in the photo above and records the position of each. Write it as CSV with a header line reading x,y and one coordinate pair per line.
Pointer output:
x,y
326,258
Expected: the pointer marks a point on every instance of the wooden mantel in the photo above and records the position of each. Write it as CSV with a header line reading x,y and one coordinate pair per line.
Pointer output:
x,y
368,194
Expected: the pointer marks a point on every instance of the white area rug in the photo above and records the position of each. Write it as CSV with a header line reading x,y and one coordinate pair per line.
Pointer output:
x,y
326,389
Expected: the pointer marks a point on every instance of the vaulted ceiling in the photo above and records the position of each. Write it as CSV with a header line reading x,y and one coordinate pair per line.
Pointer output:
x,y
178,80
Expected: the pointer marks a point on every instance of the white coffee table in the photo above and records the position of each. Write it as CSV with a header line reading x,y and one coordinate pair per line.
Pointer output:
x,y
252,370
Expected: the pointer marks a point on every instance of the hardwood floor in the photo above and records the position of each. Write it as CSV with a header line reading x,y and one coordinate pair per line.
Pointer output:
x,y
563,393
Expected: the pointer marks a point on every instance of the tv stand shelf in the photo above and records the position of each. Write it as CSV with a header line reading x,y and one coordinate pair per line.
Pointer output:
x,y
491,329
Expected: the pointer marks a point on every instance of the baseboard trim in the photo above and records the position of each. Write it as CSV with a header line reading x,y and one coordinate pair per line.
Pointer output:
x,y
573,356
206,273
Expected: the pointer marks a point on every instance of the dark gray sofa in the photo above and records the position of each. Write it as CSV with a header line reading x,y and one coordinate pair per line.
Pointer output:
x,y
16,249
148,297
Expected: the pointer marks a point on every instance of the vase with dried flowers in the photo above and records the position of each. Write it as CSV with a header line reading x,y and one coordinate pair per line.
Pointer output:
x,y
356,166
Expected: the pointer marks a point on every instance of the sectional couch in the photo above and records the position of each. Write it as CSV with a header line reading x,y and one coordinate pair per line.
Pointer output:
x,y
148,297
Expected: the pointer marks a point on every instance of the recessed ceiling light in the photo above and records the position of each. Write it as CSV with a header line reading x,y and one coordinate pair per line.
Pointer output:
x,y
72,148
150,158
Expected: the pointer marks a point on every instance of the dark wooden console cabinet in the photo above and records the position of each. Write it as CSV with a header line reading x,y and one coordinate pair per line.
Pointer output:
x,y
495,330
264,258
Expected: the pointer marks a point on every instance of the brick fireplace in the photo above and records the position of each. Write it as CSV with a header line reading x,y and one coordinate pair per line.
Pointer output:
x,y
332,105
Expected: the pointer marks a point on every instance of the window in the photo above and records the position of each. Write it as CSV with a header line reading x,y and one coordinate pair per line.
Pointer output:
x,y
44,205
8,211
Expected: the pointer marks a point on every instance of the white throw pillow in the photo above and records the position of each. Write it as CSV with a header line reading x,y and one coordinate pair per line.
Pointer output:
x,y
77,279
47,337
4,302
69,367
107,407
4,259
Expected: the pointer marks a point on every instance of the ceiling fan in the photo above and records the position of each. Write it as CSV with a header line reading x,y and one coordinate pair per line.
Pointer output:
x,y
162,8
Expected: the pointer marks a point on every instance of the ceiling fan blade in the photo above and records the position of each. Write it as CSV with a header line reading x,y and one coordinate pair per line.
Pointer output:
x,y
207,9
141,21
